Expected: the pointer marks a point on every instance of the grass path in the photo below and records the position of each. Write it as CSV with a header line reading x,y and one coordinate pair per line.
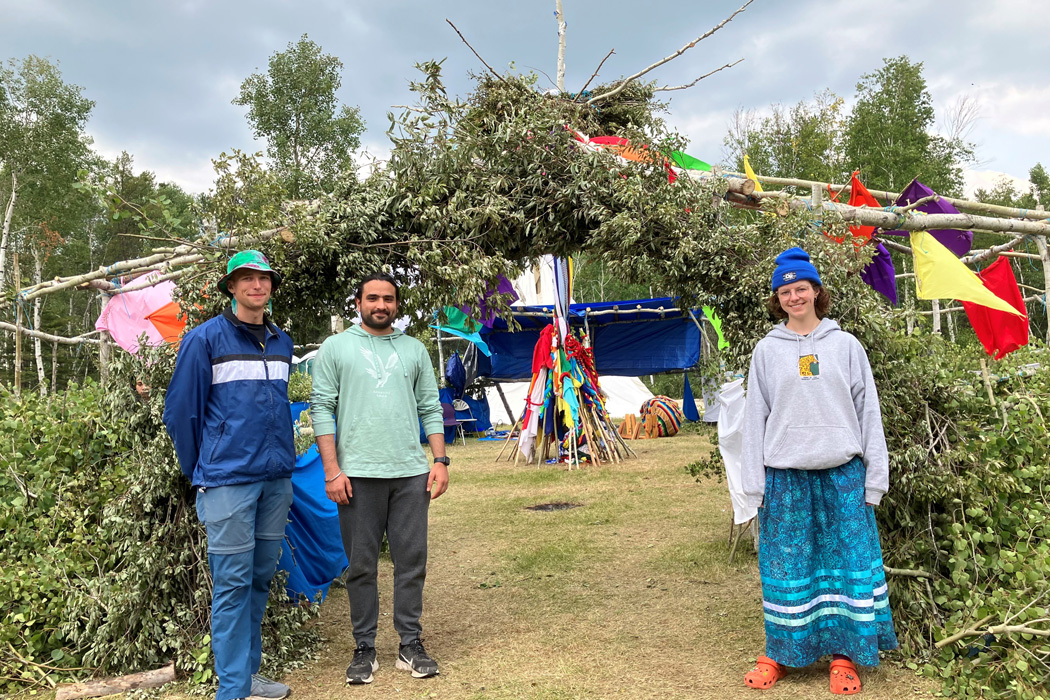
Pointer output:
x,y
629,595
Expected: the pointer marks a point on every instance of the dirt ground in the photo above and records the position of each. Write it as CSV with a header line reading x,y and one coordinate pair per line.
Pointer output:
x,y
628,595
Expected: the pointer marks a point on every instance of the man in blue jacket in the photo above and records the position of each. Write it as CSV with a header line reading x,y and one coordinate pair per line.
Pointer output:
x,y
227,413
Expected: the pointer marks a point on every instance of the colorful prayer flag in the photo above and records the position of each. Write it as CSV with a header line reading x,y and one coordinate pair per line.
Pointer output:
x,y
751,174
1000,333
687,162
940,275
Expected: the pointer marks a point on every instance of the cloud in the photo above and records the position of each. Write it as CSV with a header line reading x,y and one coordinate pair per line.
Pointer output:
x,y
987,179
163,74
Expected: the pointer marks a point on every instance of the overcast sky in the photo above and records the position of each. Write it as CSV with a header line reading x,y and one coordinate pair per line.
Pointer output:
x,y
162,74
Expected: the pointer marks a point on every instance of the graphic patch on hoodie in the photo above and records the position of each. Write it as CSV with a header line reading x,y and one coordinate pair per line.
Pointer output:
x,y
375,367
809,367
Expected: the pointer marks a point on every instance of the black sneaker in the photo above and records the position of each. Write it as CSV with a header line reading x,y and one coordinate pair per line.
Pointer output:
x,y
362,666
413,657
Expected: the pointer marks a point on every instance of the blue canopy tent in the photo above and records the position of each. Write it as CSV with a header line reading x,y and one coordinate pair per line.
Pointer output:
x,y
630,338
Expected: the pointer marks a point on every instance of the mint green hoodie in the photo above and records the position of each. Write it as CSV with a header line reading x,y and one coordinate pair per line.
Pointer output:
x,y
373,388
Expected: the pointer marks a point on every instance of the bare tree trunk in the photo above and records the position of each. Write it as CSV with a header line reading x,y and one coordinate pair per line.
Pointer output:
x,y
38,271
18,336
561,46
1044,255
5,239
936,315
105,349
54,365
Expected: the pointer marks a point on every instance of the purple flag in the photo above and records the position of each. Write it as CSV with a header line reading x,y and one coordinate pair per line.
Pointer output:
x,y
880,275
958,242
487,315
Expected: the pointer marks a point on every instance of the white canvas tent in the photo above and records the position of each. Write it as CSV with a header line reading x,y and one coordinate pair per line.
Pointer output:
x,y
626,396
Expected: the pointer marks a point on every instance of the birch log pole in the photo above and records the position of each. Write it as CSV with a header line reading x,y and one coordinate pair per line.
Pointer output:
x,y
75,340
112,686
1038,214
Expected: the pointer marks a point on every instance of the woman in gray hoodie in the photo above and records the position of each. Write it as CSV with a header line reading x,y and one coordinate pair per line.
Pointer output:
x,y
815,464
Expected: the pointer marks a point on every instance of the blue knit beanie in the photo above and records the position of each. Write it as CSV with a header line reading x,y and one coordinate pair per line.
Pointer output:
x,y
793,265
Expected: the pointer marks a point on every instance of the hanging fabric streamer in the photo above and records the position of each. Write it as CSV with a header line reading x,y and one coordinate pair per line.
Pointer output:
x,y
751,174
958,242
689,409
1000,333
687,162
940,275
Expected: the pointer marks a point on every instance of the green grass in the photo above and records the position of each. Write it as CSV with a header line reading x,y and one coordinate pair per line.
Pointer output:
x,y
631,595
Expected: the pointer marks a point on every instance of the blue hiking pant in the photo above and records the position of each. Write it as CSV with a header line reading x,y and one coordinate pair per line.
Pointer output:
x,y
245,525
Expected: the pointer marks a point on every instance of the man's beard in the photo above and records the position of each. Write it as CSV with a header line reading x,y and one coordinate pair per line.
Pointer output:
x,y
370,321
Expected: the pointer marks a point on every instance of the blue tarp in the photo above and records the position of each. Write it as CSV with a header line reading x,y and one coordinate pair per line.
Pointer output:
x,y
313,552
479,410
630,338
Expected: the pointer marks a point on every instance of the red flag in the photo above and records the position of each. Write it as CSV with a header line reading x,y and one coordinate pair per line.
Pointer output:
x,y
860,197
999,332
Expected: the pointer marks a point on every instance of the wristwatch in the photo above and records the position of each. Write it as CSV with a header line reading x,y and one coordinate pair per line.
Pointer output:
x,y
442,460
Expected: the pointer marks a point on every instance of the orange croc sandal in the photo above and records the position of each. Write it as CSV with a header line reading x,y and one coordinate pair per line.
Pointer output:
x,y
844,677
765,674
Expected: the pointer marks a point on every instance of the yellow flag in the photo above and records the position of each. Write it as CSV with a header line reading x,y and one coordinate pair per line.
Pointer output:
x,y
940,275
751,174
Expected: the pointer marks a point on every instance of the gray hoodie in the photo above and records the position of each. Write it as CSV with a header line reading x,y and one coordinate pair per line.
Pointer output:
x,y
812,404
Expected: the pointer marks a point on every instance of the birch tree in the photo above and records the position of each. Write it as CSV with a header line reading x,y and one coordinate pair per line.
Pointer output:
x,y
42,141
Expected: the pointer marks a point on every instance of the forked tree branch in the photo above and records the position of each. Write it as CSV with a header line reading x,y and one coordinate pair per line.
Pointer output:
x,y
667,88
491,69
628,80
595,74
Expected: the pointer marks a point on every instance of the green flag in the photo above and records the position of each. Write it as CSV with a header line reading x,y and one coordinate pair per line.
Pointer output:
x,y
686,161
716,323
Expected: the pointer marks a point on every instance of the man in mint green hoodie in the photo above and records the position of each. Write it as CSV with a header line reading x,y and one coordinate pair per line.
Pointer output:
x,y
372,384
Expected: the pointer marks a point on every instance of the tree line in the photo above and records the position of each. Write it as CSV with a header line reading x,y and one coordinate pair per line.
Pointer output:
x,y
67,209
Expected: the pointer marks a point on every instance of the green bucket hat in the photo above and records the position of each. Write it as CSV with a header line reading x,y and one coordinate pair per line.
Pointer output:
x,y
249,260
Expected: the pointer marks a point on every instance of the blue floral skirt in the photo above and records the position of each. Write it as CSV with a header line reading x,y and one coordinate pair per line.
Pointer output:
x,y
823,586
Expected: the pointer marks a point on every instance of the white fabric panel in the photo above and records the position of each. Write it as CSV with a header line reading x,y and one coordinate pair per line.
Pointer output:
x,y
247,370
731,444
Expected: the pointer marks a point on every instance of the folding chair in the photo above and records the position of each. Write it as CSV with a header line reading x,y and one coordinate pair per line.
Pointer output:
x,y
448,415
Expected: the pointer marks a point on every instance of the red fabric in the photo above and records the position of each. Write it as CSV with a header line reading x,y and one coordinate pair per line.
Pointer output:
x,y
860,197
999,332
622,147
541,354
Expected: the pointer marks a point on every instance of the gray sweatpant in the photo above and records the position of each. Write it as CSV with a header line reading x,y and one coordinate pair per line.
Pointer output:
x,y
399,508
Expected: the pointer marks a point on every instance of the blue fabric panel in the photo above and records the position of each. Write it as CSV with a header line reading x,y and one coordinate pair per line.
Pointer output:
x,y
512,354
298,407
312,552
631,342
689,409
456,374
635,349
480,411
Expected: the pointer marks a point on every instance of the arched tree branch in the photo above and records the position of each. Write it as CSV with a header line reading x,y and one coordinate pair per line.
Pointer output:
x,y
628,80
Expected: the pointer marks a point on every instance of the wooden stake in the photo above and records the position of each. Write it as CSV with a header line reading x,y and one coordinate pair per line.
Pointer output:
x,y
510,437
